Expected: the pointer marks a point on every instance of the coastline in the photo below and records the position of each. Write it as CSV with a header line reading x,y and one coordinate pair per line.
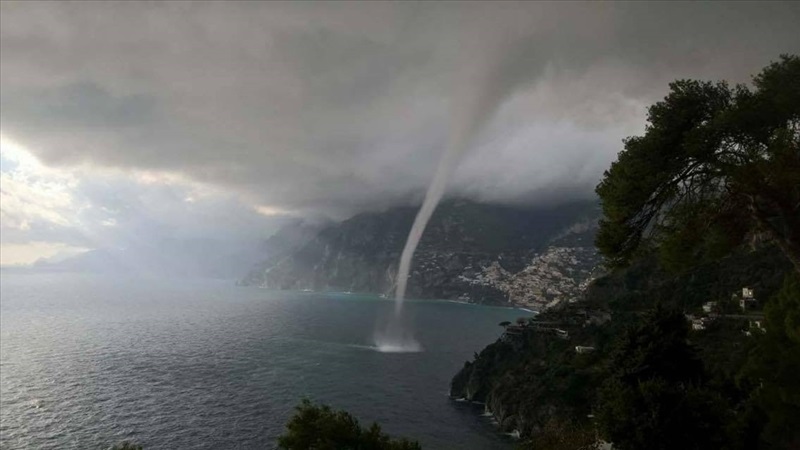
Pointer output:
x,y
383,297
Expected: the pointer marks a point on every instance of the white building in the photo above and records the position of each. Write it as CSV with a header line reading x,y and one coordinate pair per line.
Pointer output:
x,y
698,324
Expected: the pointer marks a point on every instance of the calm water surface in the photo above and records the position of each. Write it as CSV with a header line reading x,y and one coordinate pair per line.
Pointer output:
x,y
86,362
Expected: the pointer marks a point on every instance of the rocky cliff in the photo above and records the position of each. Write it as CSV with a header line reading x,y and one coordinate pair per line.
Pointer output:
x,y
473,252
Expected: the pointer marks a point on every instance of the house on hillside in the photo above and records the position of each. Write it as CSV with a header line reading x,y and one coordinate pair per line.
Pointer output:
x,y
700,323
580,349
747,302
756,326
512,333
515,329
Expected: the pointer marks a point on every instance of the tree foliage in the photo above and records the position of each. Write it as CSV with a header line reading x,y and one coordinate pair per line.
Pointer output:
x,y
654,397
774,366
560,434
717,165
321,428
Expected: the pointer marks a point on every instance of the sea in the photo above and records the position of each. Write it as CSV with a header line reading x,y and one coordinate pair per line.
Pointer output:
x,y
87,362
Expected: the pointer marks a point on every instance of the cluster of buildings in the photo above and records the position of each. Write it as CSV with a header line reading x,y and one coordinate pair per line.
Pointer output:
x,y
747,301
741,306
560,273
580,317
532,324
700,323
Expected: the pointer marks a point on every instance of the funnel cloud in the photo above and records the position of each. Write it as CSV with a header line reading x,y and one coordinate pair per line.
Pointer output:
x,y
477,97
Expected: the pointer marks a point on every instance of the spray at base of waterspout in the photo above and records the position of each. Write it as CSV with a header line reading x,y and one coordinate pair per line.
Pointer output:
x,y
395,338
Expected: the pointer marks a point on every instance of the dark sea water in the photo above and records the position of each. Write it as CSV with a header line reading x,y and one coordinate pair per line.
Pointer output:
x,y
86,362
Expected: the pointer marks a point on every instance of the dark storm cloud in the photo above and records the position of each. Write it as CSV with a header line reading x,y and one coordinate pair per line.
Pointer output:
x,y
344,107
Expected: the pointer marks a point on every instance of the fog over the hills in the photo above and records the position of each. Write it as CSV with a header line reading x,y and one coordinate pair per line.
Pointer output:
x,y
128,122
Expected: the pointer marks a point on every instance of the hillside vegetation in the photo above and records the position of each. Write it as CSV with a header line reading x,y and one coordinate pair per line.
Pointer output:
x,y
648,362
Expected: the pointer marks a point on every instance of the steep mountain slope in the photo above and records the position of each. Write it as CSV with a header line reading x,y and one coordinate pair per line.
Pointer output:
x,y
473,252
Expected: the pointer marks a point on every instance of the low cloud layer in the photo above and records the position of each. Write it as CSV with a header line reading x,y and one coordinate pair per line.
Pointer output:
x,y
335,108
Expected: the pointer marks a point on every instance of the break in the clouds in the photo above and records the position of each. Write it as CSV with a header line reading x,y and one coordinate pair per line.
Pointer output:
x,y
334,108
50,212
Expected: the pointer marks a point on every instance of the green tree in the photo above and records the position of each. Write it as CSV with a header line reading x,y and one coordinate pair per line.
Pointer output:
x,y
654,397
774,366
717,165
562,435
321,428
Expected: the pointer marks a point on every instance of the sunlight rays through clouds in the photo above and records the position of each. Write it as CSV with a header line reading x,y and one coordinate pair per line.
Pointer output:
x,y
52,213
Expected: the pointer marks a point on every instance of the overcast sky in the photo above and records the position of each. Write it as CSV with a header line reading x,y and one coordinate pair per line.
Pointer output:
x,y
127,121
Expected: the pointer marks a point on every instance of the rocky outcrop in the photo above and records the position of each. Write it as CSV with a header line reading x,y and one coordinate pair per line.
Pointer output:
x,y
523,379
472,252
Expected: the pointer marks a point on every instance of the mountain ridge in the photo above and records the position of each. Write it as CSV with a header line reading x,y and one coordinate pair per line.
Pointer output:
x,y
474,252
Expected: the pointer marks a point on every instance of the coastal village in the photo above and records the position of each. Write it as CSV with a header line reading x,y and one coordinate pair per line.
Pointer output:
x,y
559,274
